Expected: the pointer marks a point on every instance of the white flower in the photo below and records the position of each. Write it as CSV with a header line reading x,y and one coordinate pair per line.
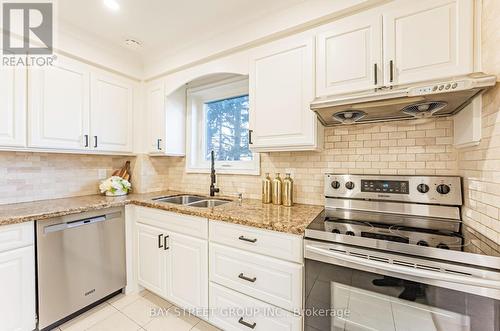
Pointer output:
x,y
113,184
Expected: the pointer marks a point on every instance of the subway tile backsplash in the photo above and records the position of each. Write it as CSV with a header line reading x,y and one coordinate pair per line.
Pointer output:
x,y
38,176
406,147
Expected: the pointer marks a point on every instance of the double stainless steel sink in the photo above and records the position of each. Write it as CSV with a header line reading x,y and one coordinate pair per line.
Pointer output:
x,y
192,200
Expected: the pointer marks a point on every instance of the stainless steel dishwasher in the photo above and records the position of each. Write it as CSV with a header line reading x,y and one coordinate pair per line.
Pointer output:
x,y
80,260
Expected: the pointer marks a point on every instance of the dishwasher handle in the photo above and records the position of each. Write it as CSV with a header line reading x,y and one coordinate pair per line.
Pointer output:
x,y
77,223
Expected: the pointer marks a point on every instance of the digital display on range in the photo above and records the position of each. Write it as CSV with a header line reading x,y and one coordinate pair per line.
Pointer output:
x,y
385,186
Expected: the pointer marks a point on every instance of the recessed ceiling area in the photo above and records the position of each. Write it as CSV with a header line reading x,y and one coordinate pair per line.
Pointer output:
x,y
164,26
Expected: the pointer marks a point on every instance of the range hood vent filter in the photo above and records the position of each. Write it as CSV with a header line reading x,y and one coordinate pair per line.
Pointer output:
x,y
349,117
424,109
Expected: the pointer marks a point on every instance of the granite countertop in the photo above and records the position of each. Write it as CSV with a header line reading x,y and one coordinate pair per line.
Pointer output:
x,y
250,212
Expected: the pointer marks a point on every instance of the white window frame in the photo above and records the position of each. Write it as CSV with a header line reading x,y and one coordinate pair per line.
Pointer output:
x,y
195,147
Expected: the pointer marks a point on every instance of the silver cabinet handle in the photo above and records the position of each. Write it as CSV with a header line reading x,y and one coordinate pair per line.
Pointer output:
x,y
160,241
250,142
391,71
248,279
95,141
158,142
165,246
247,239
375,74
248,325
86,140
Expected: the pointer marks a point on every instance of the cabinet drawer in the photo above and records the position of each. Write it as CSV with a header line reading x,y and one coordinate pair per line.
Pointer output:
x,y
281,245
271,280
184,224
231,310
16,235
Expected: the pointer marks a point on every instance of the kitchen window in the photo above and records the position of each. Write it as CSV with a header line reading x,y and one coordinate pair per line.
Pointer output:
x,y
218,120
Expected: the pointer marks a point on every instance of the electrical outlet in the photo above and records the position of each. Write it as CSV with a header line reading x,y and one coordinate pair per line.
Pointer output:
x,y
102,173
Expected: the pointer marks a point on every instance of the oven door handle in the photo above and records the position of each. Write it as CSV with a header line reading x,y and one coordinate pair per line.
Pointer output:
x,y
441,276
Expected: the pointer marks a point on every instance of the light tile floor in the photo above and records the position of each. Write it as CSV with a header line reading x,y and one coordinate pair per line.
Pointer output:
x,y
132,313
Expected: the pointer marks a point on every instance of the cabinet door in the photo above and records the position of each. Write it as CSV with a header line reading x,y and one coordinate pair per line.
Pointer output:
x,y
111,113
349,55
59,105
12,106
175,130
428,39
156,108
17,288
151,258
281,89
187,271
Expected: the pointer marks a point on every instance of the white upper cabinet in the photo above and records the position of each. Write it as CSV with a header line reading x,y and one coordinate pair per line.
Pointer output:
x,y
403,42
73,106
167,118
155,93
428,39
12,107
59,105
349,55
111,113
281,89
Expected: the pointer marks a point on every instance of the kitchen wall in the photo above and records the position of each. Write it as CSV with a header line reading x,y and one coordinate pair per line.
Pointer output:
x,y
404,147
38,176
480,165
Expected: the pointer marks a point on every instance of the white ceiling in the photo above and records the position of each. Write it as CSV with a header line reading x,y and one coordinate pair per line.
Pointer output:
x,y
165,26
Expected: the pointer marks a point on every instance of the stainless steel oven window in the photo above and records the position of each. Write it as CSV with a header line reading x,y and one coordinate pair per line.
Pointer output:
x,y
342,298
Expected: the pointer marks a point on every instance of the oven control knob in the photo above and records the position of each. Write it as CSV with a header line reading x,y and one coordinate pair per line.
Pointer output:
x,y
422,243
442,246
349,185
350,233
335,231
443,189
335,184
423,188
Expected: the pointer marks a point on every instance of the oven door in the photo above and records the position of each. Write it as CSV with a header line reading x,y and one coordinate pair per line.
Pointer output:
x,y
349,288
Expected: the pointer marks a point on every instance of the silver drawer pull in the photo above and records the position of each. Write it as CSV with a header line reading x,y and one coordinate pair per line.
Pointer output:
x,y
247,239
248,325
248,279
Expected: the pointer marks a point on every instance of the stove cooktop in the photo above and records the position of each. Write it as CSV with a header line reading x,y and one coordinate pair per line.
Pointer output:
x,y
390,230
411,215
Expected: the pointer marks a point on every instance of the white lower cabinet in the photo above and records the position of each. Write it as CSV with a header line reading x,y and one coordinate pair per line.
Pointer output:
x,y
256,278
268,279
187,270
252,282
17,277
236,311
151,259
171,264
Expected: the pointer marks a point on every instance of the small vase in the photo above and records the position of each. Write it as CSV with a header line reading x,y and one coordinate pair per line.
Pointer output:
x,y
117,193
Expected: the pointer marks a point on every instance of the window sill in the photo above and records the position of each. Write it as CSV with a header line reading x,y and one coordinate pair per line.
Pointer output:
x,y
252,172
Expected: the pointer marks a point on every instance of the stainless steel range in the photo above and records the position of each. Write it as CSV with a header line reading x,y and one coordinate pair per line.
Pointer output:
x,y
391,253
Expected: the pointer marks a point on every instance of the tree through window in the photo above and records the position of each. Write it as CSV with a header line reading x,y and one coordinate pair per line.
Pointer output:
x,y
226,129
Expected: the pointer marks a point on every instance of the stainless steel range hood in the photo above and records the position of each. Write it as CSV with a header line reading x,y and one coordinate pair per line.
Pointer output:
x,y
432,98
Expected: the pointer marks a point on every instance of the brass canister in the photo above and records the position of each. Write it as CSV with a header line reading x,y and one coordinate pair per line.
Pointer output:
x,y
267,195
288,191
277,190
